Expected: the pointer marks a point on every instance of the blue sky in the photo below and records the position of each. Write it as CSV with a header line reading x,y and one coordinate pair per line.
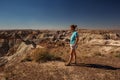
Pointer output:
x,y
58,14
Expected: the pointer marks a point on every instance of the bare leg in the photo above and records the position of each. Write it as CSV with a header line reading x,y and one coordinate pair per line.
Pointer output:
x,y
71,57
75,57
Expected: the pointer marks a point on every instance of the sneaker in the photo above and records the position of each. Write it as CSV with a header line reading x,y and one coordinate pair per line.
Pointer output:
x,y
75,62
67,64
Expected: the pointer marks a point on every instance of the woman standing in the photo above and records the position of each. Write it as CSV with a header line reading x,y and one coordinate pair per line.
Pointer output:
x,y
73,44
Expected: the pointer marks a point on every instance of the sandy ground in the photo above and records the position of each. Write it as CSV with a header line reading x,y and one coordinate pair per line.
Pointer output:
x,y
97,68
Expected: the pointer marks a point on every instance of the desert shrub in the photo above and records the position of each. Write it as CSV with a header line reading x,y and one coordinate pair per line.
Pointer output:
x,y
117,55
26,58
98,54
43,55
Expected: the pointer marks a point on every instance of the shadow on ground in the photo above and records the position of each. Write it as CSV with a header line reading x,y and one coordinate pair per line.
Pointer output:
x,y
99,66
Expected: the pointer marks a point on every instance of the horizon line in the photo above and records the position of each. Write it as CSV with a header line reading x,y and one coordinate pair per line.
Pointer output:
x,y
61,29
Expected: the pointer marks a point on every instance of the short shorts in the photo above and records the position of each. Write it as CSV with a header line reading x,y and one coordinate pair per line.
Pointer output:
x,y
73,46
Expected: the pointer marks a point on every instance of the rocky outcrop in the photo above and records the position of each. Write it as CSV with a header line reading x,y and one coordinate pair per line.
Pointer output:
x,y
3,61
23,50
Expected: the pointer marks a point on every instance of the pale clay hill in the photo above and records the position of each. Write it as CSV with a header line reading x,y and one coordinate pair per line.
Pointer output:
x,y
41,54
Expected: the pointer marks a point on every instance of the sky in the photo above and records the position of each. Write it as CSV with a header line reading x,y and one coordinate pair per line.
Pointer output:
x,y
59,14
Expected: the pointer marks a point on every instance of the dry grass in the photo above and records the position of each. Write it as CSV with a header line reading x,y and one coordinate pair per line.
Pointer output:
x,y
117,55
97,68
97,53
41,55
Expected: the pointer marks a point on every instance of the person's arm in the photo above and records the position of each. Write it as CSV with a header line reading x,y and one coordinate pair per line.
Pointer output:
x,y
77,39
